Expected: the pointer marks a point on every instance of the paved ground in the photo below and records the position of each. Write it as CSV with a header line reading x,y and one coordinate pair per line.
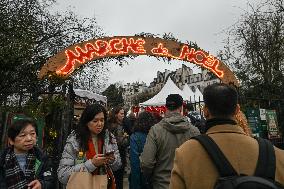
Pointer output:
x,y
125,183
126,175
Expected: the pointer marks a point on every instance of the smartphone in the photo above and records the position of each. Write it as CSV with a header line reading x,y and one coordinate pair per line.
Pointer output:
x,y
109,153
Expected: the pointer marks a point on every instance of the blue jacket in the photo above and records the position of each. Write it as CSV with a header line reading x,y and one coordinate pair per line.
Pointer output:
x,y
137,141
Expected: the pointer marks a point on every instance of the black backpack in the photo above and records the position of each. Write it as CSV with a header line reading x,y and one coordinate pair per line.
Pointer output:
x,y
264,176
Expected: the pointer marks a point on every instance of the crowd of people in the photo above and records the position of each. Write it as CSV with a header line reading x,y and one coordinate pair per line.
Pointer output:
x,y
169,152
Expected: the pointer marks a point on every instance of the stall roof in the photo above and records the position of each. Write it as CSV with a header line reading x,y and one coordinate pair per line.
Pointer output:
x,y
90,95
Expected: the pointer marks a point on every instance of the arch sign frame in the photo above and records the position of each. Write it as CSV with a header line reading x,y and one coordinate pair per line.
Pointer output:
x,y
71,58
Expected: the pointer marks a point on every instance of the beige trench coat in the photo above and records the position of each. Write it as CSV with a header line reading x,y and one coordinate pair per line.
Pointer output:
x,y
193,168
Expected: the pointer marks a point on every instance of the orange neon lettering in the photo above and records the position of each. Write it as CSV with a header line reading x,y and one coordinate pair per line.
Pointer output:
x,y
214,68
102,47
112,46
134,46
210,61
160,50
69,66
81,56
91,50
200,58
124,45
187,53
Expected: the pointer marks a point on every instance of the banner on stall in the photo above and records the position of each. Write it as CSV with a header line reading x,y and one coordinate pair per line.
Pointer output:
x,y
272,124
253,117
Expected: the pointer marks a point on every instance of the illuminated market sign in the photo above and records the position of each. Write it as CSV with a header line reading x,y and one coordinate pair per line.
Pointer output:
x,y
71,58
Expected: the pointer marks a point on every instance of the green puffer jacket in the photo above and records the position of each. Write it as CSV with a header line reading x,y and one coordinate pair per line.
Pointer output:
x,y
159,150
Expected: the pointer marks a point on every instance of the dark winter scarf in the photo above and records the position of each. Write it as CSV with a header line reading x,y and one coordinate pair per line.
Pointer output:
x,y
218,121
15,177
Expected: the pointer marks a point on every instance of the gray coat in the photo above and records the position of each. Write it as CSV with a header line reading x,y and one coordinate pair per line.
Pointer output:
x,y
67,163
159,150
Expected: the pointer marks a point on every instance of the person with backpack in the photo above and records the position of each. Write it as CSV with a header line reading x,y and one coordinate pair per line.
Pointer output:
x,y
142,125
162,140
225,157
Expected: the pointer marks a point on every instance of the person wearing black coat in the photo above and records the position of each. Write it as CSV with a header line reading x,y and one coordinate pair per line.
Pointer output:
x,y
22,164
44,172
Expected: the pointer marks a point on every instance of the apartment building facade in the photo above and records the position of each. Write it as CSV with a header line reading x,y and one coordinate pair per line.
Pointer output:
x,y
180,77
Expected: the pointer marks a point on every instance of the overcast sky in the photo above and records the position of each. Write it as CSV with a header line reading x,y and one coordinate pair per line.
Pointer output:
x,y
202,21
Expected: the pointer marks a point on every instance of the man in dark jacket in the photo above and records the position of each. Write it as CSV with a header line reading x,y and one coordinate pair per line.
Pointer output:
x,y
22,165
162,141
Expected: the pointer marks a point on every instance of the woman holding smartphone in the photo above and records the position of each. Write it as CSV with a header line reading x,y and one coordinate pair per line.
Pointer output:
x,y
90,147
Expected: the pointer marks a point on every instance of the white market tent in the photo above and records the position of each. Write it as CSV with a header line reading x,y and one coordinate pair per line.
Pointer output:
x,y
160,98
192,96
189,93
90,95
198,95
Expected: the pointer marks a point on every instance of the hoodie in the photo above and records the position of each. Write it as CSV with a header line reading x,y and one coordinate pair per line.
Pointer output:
x,y
159,150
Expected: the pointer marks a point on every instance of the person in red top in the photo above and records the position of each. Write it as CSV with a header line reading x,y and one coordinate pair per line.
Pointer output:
x,y
90,147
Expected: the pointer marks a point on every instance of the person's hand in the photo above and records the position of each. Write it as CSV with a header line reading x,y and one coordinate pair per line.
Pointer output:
x,y
35,184
99,160
110,158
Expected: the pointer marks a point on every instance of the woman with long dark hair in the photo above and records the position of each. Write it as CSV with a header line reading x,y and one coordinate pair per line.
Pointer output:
x,y
116,126
142,126
90,147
